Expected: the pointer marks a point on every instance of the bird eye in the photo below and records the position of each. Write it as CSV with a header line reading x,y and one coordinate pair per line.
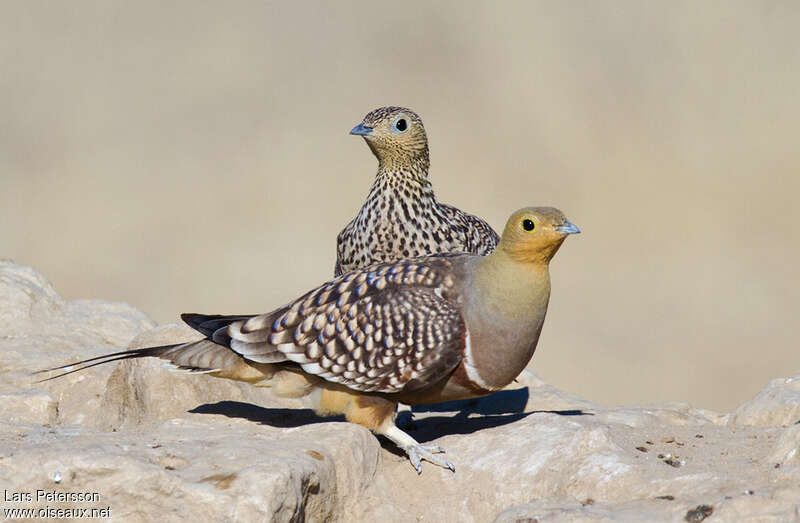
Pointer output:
x,y
401,125
528,224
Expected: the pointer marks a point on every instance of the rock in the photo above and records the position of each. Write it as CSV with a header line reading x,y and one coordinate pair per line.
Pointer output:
x,y
777,405
41,330
28,406
765,506
149,441
196,470
787,448
210,451
30,307
578,466
147,390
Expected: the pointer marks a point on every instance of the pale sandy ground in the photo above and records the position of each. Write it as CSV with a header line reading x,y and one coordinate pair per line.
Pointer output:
x,y
195,158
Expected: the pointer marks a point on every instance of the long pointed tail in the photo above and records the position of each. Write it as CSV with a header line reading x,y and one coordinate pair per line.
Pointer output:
x,y
209,355
106,358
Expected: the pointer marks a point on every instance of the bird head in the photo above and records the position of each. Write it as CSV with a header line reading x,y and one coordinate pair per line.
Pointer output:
x,y
534,234
395,135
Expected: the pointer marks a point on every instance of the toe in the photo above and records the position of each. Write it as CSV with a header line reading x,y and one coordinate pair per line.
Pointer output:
x,y
414,458
416,453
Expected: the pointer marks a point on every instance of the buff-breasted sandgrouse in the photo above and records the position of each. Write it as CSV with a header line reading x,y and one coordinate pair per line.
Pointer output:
x,y
400,217
417,331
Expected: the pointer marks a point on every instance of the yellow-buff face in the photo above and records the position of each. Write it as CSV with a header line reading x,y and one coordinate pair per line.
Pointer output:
x,y
534,234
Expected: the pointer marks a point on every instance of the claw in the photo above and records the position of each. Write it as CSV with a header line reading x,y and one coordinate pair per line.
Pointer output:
x,y
416,453
413,457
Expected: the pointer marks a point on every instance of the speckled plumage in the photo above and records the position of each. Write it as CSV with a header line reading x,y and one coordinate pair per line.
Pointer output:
x,y
416,331
400,217
392,328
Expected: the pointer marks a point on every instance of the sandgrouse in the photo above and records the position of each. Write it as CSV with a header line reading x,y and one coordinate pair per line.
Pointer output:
x,y
417,331
401,217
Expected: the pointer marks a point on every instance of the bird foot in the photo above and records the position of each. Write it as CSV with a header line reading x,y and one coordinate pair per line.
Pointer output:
x,y
418,452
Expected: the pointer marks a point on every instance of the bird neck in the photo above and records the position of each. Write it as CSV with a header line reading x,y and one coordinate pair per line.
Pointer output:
x,y
407,179
530,254
511,286
411,164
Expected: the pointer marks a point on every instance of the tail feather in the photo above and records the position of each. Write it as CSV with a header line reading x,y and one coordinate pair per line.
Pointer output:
x,y
210,355
106,358
207,324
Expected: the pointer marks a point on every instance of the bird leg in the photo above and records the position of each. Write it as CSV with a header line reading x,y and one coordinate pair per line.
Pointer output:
x,y
414,450
377,414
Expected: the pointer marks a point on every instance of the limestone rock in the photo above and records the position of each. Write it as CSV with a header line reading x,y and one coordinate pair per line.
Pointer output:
x,y
190,469
777,405
577,466
150,441
41,330
787,448
29,406
147,390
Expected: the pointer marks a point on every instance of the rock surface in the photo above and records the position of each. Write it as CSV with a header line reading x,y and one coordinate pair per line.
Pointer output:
x,y
149,441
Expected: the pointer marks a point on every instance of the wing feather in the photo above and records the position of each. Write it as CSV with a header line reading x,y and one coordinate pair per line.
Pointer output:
x,y
389,328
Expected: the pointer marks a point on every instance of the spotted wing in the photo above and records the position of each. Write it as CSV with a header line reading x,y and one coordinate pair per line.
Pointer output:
x,y
389,328
479,236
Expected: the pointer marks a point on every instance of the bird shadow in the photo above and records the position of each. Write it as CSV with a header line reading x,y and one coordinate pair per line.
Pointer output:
x,y
468,416
279,418
435,420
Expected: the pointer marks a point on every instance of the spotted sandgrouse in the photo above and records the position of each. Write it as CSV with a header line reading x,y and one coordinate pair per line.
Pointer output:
x,y
417,331
401,217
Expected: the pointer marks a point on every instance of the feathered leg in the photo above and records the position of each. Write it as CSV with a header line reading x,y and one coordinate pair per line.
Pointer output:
x,y
377,414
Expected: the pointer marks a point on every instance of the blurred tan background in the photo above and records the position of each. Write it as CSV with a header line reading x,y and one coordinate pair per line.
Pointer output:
x,y
195,157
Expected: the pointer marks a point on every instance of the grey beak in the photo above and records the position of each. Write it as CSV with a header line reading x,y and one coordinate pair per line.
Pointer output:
x,y
568,228
361,130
